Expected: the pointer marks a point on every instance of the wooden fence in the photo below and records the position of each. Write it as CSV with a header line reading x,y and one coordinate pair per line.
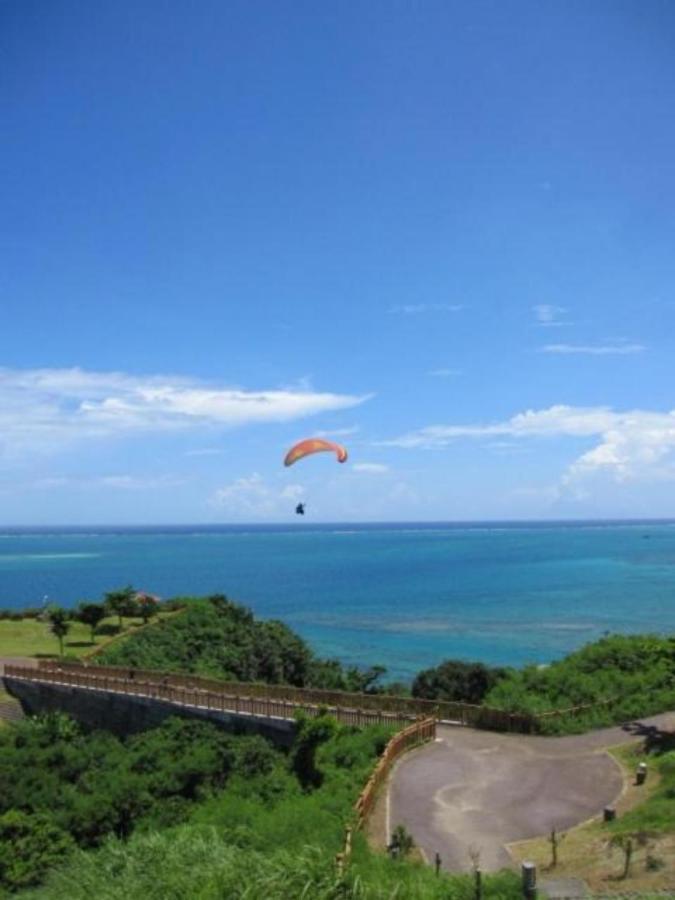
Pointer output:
x,y
197,693
574,710
391,709
401,708
418,733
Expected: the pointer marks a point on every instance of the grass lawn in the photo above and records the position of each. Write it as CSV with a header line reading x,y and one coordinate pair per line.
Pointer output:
x,y
29,637
585,851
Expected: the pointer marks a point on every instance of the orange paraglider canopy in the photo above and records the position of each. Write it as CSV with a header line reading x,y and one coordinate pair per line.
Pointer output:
x,y
314,445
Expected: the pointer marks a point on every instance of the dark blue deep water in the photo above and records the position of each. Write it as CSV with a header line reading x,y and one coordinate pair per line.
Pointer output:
x,y
406,596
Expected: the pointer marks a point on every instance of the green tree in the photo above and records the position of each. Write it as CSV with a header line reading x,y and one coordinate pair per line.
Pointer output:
x,y
58,624
121,601
464,682
91,614
30,844
310,735
147,606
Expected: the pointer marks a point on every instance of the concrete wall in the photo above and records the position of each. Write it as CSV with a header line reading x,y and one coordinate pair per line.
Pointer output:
x,y
126,714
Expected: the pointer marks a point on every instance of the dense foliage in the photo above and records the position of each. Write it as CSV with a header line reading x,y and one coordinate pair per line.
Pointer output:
x,y
59,785
218,638
30,845
466,682
267,834
636,673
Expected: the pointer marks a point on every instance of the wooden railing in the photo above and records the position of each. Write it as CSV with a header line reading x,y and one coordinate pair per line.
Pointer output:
x,y
403,708
359,708
417,733
196,692
574,710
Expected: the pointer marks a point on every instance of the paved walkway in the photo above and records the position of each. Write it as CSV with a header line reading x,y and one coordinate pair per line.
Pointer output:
x,y
477,789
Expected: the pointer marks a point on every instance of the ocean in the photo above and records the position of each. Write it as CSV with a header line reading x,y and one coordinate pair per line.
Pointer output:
x,y
406,596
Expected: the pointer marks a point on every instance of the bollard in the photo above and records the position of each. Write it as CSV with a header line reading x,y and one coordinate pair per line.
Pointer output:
x,y
609,814
437,862
529,877
478,885
641,773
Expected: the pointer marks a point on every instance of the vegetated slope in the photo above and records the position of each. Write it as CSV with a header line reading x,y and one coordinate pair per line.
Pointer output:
x,y
252,819
60,786
195,861
218,638
635,672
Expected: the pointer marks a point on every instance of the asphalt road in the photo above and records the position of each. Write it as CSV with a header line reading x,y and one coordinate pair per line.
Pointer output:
x,y
481,790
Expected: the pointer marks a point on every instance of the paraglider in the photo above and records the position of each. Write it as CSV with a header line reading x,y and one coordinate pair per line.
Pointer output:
x,y
307,448
314,445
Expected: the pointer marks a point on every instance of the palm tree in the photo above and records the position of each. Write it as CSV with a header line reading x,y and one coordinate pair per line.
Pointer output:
x,y
58,624
120,601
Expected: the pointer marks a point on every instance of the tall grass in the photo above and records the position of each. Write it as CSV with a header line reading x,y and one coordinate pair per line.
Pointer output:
x,y
195,863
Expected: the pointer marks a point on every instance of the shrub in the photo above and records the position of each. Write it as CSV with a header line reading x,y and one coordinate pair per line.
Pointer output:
x,y
465,682
30,844
635,673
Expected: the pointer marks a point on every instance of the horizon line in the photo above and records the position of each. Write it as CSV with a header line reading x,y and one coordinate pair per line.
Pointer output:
x,y
332,522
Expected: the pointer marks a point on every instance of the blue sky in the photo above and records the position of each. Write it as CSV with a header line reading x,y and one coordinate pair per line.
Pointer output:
x,y
441,232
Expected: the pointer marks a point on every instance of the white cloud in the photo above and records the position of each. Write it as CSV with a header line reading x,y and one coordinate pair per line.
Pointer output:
x,y
415,309
549,315
630,445
338,432
42,407
374,468
115,482
205,451
444,373
620,349
251,496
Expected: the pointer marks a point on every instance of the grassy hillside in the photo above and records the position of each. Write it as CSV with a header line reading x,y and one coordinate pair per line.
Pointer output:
x,y
32,637
218,638
636,673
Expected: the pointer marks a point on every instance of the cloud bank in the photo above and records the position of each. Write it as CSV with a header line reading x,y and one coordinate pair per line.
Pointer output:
x,y
622,349
43,407
629,445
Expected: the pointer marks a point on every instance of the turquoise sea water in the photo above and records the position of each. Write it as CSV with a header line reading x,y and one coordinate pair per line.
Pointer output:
x,y
405,596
